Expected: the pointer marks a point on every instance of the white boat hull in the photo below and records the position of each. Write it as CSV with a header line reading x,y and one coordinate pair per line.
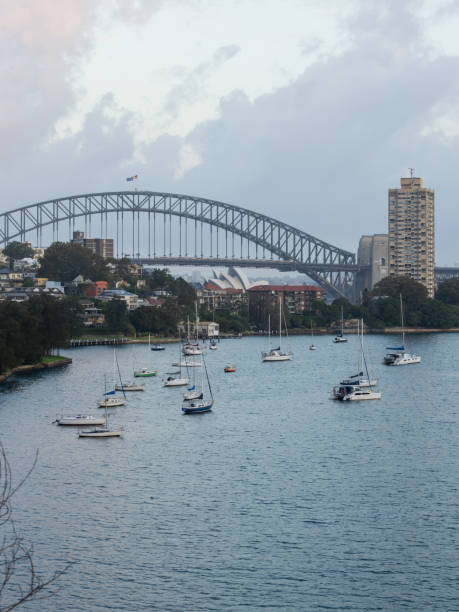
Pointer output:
x,y
402,359
129,388
312,348
111,402
81,421
176,382
277,358
354,397
186,364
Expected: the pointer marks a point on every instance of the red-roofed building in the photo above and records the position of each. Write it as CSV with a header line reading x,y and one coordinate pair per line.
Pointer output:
x,y
95,289
296,299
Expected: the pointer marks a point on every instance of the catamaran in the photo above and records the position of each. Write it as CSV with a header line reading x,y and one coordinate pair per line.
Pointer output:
x,y
276,354
399,356
360,379
353,391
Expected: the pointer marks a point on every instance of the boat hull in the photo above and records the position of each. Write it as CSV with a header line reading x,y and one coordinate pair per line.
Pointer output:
x,y
111,403
176,382
197,407
129,388
393,359
141,374
277,358
100,433
81,422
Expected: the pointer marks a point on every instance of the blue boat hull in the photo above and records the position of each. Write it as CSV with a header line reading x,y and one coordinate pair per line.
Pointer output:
x,y
196,409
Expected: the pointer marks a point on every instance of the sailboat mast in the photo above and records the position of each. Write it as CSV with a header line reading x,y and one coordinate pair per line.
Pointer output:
x,y
280,320
401,319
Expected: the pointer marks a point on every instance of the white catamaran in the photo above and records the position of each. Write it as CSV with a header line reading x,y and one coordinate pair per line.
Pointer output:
x,y
399,356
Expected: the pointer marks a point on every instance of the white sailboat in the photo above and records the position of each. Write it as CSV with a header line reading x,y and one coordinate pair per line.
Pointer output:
x,y
110,399
312,346
193,348
101,432
276,354
176,380
340,337
145,372
400,356
360,379
80,420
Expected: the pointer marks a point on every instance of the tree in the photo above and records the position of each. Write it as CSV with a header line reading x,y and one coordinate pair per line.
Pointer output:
x,y
115,315
414,293
64,261
17,250
19,581
448,291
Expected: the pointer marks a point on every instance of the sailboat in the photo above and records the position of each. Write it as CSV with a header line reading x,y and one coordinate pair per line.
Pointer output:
x,y
360,378
340,337
101,432
176,379
195,392
193,348
145,372
276,354
312,346
132,386
80,420
199,405
399,356
110,399
354,391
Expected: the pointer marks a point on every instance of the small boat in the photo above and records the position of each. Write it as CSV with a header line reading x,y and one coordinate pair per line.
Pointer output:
x,y
212,346
193,394
276,354
186,364
157,347
111,402
312,346
340,337
230,368
399,356
354,393
101,432
144,373
197,406
171,381
80,420
130,387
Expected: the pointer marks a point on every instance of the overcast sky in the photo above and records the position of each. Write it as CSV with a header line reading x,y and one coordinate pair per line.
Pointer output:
x,y
305,110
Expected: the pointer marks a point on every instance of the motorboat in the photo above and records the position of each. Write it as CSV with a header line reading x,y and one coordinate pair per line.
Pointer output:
x,y
230,368
80,420
212,346
144,373
192,349
157,347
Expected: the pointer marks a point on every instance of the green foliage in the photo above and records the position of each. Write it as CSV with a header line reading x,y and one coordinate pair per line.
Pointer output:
x,y
65,261
18,250
28,282
28,330
115,315
414,293
448,291
163,281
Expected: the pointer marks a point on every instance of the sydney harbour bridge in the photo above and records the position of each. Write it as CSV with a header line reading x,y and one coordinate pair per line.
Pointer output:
x,y
161,228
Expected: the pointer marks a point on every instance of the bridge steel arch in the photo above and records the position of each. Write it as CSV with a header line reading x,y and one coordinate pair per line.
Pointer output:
x,y
331,267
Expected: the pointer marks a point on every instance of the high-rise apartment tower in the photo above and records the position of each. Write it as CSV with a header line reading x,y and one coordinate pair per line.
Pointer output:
x,y
411,232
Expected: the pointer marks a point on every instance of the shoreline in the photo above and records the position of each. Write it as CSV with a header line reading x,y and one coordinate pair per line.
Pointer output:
x,y
56,363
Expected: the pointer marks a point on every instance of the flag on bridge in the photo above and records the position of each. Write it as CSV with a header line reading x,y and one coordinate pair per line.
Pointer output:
x,y
132,178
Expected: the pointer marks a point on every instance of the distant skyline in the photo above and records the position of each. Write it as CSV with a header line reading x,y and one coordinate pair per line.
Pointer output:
x,y
303,110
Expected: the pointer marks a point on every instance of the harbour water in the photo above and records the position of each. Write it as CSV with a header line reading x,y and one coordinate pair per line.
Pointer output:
x,y
279,499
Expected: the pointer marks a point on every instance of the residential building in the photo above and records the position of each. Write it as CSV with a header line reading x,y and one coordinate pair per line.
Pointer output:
x,y
131,300
373,256
100,246
296,299
95,289
411,232
206,329
212,297
92,316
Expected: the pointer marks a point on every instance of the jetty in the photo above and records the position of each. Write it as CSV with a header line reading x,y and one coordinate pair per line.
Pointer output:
x,y
76,342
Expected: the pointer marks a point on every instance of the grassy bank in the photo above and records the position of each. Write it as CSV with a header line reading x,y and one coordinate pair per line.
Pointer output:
x,y
48,361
